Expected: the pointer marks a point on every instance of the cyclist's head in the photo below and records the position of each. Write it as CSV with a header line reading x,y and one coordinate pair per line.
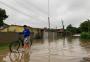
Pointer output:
x,y
25,26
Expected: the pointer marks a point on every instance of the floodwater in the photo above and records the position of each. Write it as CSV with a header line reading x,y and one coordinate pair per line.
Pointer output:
x,y
52,49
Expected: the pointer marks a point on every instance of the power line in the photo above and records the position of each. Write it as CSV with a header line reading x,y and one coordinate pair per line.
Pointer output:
x,y
27,7
40,10
16,10
27,2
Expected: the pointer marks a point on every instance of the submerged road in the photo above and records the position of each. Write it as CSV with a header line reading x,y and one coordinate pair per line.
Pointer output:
x,y
51,49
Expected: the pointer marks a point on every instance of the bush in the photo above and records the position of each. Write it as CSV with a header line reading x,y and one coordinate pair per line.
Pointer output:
x,y
85,35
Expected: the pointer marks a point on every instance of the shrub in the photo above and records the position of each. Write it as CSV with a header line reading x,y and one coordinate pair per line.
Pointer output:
x,y
85,35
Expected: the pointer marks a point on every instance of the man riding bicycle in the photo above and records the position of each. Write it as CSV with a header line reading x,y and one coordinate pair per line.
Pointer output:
x,y
26,33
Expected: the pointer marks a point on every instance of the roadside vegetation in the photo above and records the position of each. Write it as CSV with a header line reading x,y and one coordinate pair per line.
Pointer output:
x,y
4,48
3,45
85,35
85,30
72,30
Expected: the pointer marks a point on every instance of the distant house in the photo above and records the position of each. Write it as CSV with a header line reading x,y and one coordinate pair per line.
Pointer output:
x,y
60,30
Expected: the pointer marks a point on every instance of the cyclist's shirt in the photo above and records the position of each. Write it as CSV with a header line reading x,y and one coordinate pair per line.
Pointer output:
x,y
26,33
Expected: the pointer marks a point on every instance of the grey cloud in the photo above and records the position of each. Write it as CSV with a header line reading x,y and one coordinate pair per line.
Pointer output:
x,y
78,5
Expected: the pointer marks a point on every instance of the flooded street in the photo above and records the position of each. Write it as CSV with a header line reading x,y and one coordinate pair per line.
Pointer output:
x,y
52,49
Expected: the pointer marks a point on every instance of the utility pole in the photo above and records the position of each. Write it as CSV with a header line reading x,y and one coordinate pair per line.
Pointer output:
x,y
49,14
62,24
63,27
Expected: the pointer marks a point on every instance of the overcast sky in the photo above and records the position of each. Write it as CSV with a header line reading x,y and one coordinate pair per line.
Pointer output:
x,y
35,12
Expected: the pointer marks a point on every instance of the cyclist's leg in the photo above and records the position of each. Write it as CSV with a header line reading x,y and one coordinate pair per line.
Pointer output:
x,y
26,42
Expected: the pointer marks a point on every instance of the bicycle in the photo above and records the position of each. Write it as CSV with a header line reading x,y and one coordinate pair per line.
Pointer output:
x,y
16,45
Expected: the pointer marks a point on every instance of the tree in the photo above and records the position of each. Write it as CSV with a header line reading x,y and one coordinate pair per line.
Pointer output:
x,y
69,28
3,16
72,30
85,26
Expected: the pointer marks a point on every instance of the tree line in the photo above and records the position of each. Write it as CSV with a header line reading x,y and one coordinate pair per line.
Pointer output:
x,y
84,27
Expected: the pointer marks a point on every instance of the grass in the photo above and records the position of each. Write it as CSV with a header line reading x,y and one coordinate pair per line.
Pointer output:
x,y
3,47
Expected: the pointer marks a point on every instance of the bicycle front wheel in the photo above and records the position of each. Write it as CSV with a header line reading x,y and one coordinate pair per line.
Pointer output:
x,y
14,46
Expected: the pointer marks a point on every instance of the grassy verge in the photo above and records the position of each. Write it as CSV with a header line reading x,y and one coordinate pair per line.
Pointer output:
x,y
3,47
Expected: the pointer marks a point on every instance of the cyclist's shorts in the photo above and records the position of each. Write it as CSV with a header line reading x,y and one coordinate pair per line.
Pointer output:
x,y
27,39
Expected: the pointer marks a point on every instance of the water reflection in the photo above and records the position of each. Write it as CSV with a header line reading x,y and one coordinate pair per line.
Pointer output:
x,y
86,45
18,57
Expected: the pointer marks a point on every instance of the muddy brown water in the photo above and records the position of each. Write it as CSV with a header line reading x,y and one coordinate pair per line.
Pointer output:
x,y
52,49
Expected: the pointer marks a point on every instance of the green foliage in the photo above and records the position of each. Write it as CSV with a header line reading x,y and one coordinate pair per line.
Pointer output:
x,y
85,35
85,29
85,26
72,30
3,16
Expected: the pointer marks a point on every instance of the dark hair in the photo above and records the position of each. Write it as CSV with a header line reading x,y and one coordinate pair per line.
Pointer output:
x,y
25,26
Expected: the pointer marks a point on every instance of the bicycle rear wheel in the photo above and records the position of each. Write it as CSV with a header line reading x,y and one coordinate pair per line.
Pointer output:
x,y
14,46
